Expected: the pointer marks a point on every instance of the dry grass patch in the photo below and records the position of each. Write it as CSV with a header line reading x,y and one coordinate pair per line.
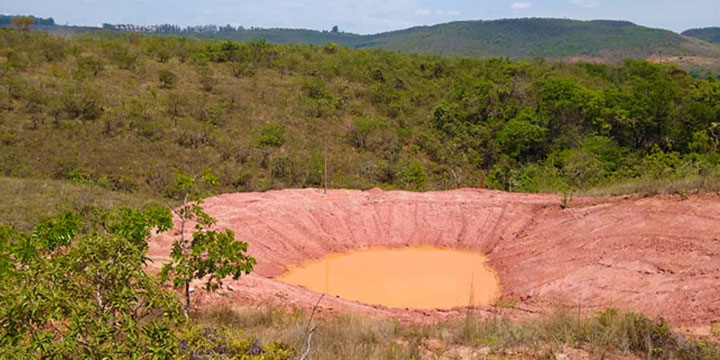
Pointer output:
x,y
25,201
562,335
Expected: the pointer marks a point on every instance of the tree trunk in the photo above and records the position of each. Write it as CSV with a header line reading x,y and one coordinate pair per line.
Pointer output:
x,y
325,165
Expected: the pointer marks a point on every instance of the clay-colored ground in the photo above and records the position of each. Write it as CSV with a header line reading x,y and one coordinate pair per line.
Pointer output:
x,y
659,255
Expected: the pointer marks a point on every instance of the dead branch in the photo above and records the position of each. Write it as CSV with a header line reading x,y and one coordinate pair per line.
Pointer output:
x,y
310,330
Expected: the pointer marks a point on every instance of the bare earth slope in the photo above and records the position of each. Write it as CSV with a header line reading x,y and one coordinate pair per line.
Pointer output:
x,y
659,256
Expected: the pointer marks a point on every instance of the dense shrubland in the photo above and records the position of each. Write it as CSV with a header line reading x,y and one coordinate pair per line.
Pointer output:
x,y
127,113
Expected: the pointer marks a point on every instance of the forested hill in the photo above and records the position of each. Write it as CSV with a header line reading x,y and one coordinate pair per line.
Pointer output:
x,y
598,40
557,39
711,34
551,38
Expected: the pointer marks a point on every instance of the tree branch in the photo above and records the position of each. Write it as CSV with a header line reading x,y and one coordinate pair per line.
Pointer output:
x,y
310,330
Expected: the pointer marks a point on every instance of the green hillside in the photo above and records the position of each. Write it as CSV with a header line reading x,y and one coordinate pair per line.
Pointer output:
x,y
552,38
515,38
127,113
711,34
527,38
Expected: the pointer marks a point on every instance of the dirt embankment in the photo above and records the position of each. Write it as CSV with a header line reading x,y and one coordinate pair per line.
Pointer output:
x,y
659,256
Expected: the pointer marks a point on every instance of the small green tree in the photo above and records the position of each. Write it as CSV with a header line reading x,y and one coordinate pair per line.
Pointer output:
x,y
363,128
90,64
271,135
207,80
168,79
242,69
209,255
523,136
412,176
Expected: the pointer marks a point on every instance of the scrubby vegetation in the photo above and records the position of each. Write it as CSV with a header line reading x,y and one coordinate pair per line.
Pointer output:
x,y
77,287
609,334
126,113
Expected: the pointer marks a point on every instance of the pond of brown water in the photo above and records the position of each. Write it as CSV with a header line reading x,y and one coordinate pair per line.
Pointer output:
x,y
414,277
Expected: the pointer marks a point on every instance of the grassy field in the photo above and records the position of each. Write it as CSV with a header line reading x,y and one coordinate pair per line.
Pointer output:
x,y
26,201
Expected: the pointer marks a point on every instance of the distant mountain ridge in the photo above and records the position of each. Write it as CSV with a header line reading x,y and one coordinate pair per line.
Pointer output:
x,y
525,38
710,34
562,39
555,39
539,37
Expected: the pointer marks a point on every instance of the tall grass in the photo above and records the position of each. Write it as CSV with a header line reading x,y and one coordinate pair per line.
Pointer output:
x,y
25,201
357,336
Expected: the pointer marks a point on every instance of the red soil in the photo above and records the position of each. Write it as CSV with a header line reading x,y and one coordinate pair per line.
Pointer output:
x,y
659,255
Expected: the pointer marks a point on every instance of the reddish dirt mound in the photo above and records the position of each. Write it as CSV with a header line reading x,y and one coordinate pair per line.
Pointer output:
x,y
659,256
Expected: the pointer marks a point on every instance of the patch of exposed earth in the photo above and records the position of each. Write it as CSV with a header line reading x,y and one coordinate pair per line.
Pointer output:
x,y
697,60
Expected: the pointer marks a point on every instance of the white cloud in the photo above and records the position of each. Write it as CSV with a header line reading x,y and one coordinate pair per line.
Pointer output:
x,y
521,5
586,3
437,12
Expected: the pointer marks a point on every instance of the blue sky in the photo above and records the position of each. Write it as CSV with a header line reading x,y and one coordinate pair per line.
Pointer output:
x,y
363,16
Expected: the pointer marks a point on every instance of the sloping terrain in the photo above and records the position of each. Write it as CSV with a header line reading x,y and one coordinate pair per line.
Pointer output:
x,y
527,38
129,112
656,255
710,34
523,38
549,38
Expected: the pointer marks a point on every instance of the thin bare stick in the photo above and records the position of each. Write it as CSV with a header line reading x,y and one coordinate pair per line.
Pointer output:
x,y
310,330
325,165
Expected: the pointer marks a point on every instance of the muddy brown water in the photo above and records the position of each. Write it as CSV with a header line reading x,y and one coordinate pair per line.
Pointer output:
x,y
414,277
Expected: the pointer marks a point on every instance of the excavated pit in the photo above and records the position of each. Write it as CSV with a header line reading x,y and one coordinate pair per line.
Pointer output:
x,y
656,255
